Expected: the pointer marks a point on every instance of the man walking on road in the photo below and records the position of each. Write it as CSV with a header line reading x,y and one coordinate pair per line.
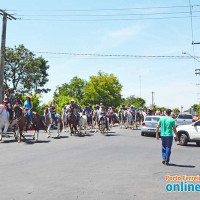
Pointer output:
x,y
167,125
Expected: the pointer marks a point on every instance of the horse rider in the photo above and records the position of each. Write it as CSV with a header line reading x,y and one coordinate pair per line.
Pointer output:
x,y
96,107
88,110
132,111
73,108
102,114
28,105
124,107
9,101
53,109
101,106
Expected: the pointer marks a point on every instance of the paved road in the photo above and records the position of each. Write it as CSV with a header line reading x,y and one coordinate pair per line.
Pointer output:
x,y
120,166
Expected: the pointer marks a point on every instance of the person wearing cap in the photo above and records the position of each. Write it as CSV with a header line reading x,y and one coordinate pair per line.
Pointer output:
x,y
73,106
9,101
28,105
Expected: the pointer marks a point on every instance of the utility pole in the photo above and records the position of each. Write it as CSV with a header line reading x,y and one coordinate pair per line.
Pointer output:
x,y
153,98
3,46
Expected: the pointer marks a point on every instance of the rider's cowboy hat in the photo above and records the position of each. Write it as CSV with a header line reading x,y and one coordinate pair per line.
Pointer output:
x,y
72,100
28,96
132,106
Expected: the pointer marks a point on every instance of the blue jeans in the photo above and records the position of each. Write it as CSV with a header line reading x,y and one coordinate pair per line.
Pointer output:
x,y
29,116
166,147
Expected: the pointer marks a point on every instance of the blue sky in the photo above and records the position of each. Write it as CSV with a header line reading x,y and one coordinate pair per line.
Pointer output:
x,y
173,81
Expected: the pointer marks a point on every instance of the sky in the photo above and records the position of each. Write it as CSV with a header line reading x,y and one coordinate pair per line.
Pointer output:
x,y
173,80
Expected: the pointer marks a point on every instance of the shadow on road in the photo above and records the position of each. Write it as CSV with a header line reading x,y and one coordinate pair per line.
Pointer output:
x,y
61,137
8,141
177,165
189,145
108,135
42,141
89,135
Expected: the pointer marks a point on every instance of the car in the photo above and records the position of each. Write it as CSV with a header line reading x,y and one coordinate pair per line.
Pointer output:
x,y
149,125
189,133
184,119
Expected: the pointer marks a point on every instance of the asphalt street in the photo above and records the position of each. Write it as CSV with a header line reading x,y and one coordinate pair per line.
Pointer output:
x,y
121,166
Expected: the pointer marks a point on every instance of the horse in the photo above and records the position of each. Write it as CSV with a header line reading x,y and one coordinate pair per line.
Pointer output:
x,y
73,122
4,120
21,121
130,120
89,119
95,119
102,125
37,124
124,116
64,115
49,121
83,125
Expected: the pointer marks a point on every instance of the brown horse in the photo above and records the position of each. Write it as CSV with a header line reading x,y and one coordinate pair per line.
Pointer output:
x,y
73,122
37,124
21,120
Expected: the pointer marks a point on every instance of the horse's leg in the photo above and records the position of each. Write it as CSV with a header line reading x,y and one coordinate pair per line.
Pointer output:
x,y
0,134
58,130
37,134
34,134
70,127
19,134
48,131
5,129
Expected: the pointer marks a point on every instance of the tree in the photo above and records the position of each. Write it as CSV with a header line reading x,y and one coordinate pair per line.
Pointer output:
x,y
196,108
103,88
24,73
176,110
73,89
136,101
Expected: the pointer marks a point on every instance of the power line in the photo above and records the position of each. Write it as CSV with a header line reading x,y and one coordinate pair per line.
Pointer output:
x,y
101,9
114,55
130,19
103,15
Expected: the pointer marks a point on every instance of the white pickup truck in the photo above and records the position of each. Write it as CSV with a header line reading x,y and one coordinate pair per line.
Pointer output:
x,y
189,133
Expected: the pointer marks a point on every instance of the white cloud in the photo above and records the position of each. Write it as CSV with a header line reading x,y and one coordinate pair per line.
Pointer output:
x,y
118,37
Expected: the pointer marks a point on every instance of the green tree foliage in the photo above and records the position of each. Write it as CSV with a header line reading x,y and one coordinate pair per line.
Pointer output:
x,y
73,89
137,102
176,110
25,73
196,108
103,88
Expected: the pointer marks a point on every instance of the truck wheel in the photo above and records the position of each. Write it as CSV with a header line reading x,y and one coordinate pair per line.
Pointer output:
x,y
183,139
142,134
198,144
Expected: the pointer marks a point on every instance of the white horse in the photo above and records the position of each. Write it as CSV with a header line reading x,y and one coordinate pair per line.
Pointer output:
x,y
64,114
83,125
95,119
49,121
4,121
124,116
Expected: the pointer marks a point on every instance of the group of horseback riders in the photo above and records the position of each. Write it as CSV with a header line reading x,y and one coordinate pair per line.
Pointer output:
x,y
10,103
73,110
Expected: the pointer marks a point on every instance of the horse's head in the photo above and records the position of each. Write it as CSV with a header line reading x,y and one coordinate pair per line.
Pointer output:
x,y
18,112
